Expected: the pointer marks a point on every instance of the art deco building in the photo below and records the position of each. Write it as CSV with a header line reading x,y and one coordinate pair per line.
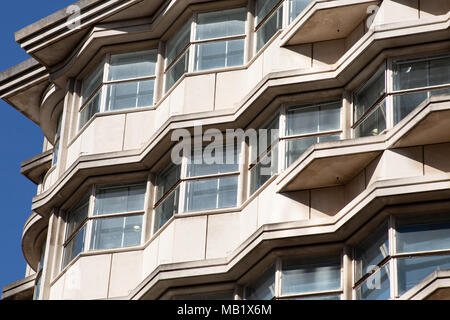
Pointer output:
x,y
356,204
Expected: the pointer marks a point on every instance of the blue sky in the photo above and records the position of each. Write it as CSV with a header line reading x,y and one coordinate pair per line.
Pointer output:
x,y
20,138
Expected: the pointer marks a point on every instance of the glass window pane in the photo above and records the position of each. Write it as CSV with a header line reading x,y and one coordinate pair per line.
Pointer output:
x,y
416,237
330,137
376,287
166,180
313,276
374,124
270,132
263,7
263,288
74,247
132,65
219,54
302,120
212,163
440,71
178,43
90,110
177,71
220,24
270,27
410,74
295,7
370,93
295,148
211,194
116,232
330,116
405,103
412,271
166,210
264,170
93,82
371,251
77,215
130,95
120,199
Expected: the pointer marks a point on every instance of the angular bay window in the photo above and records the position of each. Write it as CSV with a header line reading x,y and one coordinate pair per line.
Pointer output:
x,y
122,81
369,106
269,19
385,270
113,219
415,80
206,183
263,288
309,124
214,39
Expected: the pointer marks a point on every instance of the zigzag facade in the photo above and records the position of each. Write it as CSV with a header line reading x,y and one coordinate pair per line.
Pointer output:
x,y
349,200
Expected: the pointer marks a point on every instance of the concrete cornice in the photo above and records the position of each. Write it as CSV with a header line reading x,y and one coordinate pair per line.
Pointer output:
x,y
20,290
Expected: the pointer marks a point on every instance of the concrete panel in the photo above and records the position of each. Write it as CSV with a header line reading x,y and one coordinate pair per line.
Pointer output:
x,y
57,290
88,278
374,171
223,235
199,93
165,245
189,239
274,207
327,202
327,53
73,152
162,114
177,98
126,273
139,129
231,88
249,220
354,187
437,158
294,57
255,73
397,11
105,134
150,258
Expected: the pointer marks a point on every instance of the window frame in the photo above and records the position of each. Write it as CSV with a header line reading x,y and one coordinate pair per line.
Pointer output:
x,y
191,47
181,186
102,89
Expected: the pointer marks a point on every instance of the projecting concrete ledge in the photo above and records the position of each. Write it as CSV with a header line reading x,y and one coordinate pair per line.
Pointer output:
x,y
36,167
434,287
20,290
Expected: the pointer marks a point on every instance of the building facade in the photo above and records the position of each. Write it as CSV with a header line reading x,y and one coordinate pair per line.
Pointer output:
x,y
348,198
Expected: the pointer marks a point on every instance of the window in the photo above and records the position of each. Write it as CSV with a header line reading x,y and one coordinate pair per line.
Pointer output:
x,y
114,219
269,19
385,270
122,81
295,7
369,105
312,278
309,124
264,161
206,185
263,288
217,40
56,144
38,283
415,80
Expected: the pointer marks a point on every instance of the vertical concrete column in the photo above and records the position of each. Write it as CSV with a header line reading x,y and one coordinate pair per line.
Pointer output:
x,y
346,115
50,254
68,107
149,201
159,85
250,35
243,172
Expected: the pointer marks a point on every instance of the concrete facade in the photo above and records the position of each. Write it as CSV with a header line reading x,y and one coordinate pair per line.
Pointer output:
x,y
326,203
